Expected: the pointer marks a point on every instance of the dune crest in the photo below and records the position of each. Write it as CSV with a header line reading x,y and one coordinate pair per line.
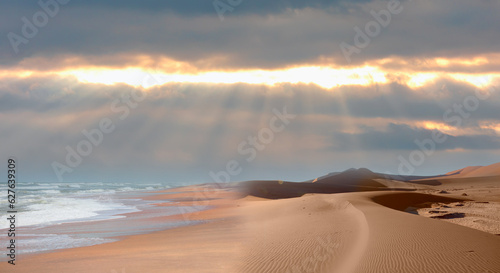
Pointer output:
x,y
355,221
476,171
393,240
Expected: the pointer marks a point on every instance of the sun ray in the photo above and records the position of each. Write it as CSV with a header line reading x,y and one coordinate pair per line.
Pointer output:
x,y
325,76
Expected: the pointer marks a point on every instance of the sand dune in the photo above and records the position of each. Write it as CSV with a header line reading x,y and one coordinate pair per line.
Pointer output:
x,y
478,215
402,242
366,232
355,221
314,233
352,180
393,240
476,171
491,170
463,171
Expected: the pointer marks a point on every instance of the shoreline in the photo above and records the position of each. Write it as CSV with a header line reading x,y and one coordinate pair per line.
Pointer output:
x,y
160,214
350,232
212,214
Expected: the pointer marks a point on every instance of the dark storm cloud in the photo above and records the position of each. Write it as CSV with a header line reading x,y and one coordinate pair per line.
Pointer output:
x,y
405,137
195,7
284,37
54,94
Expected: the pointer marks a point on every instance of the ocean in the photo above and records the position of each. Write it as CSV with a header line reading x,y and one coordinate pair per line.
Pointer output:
x,y
54,216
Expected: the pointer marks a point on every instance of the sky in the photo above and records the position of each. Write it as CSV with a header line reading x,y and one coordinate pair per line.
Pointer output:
x,y
199,91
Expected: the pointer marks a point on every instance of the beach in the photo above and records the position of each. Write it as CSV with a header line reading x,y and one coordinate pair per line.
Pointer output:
x,y
238,136
354,221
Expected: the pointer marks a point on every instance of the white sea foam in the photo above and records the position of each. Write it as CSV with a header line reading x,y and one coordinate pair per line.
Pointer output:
x,y
55,203
56,210
30,243
49,205
51,191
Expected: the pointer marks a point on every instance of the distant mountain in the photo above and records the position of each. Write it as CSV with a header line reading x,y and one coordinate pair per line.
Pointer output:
x,y
368,174
362,179
351,180
352,177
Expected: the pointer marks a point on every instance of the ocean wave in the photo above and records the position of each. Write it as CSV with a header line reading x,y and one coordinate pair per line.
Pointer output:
x,y
50,211
43,242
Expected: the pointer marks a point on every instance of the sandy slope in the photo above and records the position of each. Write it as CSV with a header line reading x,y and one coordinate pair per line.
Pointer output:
x,y
368,236
383,237
482,216
491,170
344,222
476,171
402,242
313,233
463,171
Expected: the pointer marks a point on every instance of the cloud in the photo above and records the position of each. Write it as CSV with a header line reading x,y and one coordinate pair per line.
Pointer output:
x,y
269,35
186,130
405,137
181,131
392,100
196,7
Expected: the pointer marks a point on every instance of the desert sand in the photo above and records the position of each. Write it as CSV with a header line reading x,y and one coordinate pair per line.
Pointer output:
x,y
353,221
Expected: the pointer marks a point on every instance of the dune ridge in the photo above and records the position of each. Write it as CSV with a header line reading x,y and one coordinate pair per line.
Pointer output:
x,y
314,233
476,171
402,242
394,239
391,241
355,221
